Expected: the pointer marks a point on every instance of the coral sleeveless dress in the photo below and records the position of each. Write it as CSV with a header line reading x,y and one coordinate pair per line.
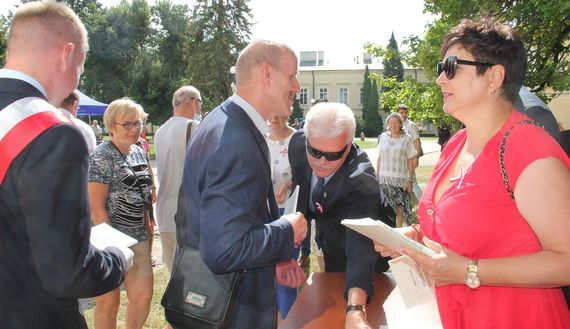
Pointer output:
x,y
477,218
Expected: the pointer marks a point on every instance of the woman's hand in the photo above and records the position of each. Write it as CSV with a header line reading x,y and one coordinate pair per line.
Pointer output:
x,y
388,252
409,186
281,193
444,268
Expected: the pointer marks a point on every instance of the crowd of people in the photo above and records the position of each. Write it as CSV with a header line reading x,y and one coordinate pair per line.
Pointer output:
x,y
495,209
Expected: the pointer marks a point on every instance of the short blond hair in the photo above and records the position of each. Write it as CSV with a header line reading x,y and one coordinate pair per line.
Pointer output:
x,y
120,107
41,24
257,53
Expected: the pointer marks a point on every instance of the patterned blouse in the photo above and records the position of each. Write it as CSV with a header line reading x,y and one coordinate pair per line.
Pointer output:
x,y
394,154
125,204
280,166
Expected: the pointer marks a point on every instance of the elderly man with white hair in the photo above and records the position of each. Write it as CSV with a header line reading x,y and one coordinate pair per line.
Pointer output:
x,y
337,181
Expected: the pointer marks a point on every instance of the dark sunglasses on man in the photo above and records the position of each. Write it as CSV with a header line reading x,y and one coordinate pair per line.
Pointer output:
x,y
449,66
330,156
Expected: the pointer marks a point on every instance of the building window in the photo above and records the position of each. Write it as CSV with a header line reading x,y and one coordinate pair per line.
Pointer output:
x,y
303,96
361,95
323,93
343,95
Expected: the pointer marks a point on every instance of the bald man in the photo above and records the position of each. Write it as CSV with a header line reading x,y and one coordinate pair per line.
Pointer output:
x,y
232,216
46,260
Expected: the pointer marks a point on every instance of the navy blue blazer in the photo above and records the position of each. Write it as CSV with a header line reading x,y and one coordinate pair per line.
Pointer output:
x,y
46,260
232,216
352,192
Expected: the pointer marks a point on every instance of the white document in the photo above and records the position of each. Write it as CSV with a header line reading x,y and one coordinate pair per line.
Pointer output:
x,y
425,316
386,235
103,236
415,287
291,203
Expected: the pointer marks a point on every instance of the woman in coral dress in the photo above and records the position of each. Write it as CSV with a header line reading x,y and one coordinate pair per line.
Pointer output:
x,y
501,258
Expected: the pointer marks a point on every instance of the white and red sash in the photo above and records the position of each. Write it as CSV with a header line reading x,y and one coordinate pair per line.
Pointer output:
x,y
20,123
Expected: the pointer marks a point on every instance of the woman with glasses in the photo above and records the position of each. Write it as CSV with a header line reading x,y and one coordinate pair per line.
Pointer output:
x,y
120,185
496,208
395,166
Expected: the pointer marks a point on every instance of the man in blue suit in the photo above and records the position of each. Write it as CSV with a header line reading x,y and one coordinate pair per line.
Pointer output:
x,y
232,216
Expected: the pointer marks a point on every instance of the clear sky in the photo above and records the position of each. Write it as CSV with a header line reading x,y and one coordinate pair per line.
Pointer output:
x,y
338,27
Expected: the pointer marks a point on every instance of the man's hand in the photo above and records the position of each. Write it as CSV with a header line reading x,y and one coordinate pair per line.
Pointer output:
x,y
290,274
299,224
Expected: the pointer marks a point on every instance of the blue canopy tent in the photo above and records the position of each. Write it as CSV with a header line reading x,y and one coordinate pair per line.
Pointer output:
x,y
88,106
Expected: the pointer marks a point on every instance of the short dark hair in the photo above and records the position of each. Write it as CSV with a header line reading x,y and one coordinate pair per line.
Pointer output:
x,y
70,99
492,42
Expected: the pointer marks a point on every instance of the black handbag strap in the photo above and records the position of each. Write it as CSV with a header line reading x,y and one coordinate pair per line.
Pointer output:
x,y
502,150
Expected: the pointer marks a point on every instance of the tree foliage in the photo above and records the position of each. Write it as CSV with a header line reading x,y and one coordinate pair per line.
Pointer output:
x,y
297,112
220,30
371,122
545,29
392,61
146,53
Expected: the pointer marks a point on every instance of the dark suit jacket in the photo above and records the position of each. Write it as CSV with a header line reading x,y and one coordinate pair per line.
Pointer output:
x,y
352,192
46,260
232,211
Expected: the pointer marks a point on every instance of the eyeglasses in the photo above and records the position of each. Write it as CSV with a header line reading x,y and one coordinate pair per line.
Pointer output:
x,y
449,66
129,125
330,156
199,100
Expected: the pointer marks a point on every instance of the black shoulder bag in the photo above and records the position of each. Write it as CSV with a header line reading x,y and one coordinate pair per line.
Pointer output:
x,y
502,148
195,296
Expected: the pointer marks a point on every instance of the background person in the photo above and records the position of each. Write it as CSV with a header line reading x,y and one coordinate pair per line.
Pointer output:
x,y
170,143
97,130
395,166
232,216
412,129
46,259
337,181
511,252
119,191
69,108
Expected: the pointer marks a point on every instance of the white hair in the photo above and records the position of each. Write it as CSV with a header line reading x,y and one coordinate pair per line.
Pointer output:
x,y
330,120
184,94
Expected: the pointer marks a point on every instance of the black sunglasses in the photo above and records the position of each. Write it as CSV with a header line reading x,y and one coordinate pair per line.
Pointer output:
x,y
449,66
330,156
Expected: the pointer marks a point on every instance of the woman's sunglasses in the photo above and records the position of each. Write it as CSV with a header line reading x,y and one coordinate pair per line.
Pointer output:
x,y
449,66
330,156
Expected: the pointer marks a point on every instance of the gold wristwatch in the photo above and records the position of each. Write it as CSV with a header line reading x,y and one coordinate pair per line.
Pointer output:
x,y
472,279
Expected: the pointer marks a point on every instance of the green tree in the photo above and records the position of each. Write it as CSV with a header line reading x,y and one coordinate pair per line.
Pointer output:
x,y
392,61
119,37
4,26
371,122
220,30
297,112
